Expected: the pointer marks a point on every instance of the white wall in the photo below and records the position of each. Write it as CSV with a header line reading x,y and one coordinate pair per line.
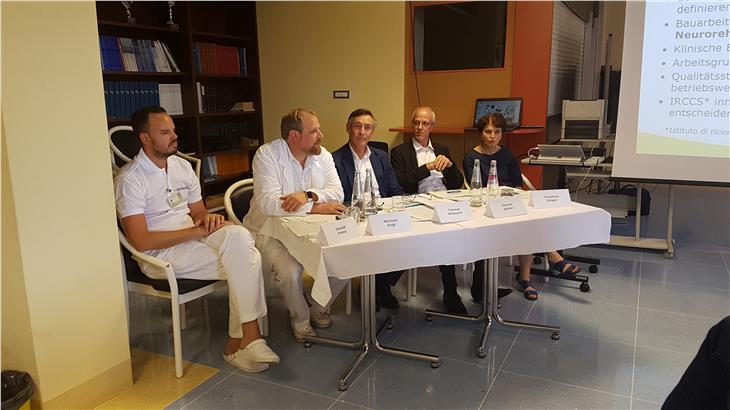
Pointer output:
x,y
63,302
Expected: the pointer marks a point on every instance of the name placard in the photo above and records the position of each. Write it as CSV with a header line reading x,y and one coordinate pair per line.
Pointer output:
x,y
332,233
550,198
505,206
449,212
383,224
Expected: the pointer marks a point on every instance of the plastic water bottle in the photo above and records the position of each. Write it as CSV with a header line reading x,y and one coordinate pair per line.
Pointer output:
x,y
493,181
475,187
357,192
369,197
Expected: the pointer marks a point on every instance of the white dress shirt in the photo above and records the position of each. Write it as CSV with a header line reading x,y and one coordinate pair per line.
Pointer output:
x,y
141,187
277,173
435,182
363,165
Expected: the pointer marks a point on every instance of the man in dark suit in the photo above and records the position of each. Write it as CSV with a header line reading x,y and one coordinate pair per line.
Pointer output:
x,y
423,166
357,155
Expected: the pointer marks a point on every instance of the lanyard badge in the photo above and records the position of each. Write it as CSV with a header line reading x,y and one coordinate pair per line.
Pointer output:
x,y
174,199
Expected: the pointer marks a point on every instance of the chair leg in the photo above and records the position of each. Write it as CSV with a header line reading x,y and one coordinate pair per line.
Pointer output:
x,y
414,282
263,322
176,336
183,318
348,301
409,279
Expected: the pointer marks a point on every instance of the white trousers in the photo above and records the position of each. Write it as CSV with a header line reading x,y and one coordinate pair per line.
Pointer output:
x,y
286,274
227,254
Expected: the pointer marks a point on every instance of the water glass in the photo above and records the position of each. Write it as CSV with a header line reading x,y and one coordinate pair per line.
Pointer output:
x,y
398,204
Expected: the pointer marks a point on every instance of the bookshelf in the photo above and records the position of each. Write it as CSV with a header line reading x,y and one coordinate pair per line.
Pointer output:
x,y
215,50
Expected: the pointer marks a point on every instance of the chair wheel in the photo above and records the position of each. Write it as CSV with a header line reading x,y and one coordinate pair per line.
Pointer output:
x,y
389,325
307,345
429,318
537,260
481,353
555,336
584,287
593,269
342,385
435,365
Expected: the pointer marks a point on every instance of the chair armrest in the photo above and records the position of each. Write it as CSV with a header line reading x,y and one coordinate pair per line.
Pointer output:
x,y
157,262
195,161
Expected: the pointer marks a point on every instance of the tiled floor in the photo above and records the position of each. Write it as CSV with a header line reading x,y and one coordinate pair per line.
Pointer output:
x,y
623,345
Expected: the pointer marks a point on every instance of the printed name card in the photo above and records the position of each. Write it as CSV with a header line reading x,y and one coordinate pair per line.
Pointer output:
x,y
332,233
505,206
449,212
550,198
382,224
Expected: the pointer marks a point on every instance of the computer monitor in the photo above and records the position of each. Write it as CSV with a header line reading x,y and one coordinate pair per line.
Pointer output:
x,y
510,108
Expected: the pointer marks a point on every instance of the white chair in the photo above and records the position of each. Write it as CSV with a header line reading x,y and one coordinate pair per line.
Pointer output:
x,y
236,202
178,291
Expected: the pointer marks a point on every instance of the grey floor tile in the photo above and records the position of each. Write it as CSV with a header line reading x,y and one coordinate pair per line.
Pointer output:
x,y
315,369
243,392
657,372
199,390
605,287
592,363
697,268
514,391
343,405
396,383
458,340
578,315
691,300
637,404
672,331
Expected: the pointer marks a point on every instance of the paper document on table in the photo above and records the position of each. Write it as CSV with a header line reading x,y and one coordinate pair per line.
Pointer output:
x,y
311,219
421,213
454,195
301,228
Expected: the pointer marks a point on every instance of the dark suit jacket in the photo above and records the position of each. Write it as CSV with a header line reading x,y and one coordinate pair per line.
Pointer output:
x,y
345,164
405,163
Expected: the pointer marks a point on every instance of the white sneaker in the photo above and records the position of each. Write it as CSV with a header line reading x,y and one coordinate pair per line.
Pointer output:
x,y
304,331
320,319
245,365
258,351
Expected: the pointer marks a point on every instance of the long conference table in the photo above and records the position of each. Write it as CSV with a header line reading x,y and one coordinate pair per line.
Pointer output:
x,y
429,244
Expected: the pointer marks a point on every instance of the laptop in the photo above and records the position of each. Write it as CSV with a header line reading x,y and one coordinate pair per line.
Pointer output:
x,y
568,154
510,108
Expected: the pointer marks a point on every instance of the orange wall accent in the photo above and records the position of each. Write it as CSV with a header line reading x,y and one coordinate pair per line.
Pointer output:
x,y
452,93
531,74
526,74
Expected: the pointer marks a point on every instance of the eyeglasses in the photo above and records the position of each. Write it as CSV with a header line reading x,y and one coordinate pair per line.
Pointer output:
x,y
424,124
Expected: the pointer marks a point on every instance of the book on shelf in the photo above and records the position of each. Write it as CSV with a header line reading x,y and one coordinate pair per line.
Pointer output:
x,y
122,98
171,98
224,164
136,55
216,98
224,136
211,58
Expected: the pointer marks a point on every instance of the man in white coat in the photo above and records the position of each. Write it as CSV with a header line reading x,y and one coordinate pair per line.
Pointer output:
x,y
294,175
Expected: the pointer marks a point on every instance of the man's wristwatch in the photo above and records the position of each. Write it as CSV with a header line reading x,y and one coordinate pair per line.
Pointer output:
x,y
310,195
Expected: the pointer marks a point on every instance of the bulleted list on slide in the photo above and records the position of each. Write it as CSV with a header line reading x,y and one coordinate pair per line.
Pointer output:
x,y
684,106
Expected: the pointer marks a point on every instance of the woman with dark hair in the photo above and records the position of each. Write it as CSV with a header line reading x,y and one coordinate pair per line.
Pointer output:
x,y
490,129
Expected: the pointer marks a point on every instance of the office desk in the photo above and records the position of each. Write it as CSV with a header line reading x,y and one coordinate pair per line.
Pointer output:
x,y
426,245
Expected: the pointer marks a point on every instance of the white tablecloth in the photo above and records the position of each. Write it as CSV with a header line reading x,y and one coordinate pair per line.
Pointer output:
x,y
430,244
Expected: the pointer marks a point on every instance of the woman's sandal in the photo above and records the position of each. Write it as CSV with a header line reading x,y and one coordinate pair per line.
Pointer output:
x,y
564,268
527,290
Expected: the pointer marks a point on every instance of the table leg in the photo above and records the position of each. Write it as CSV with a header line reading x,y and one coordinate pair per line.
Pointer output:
x,y
368,336
494,312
